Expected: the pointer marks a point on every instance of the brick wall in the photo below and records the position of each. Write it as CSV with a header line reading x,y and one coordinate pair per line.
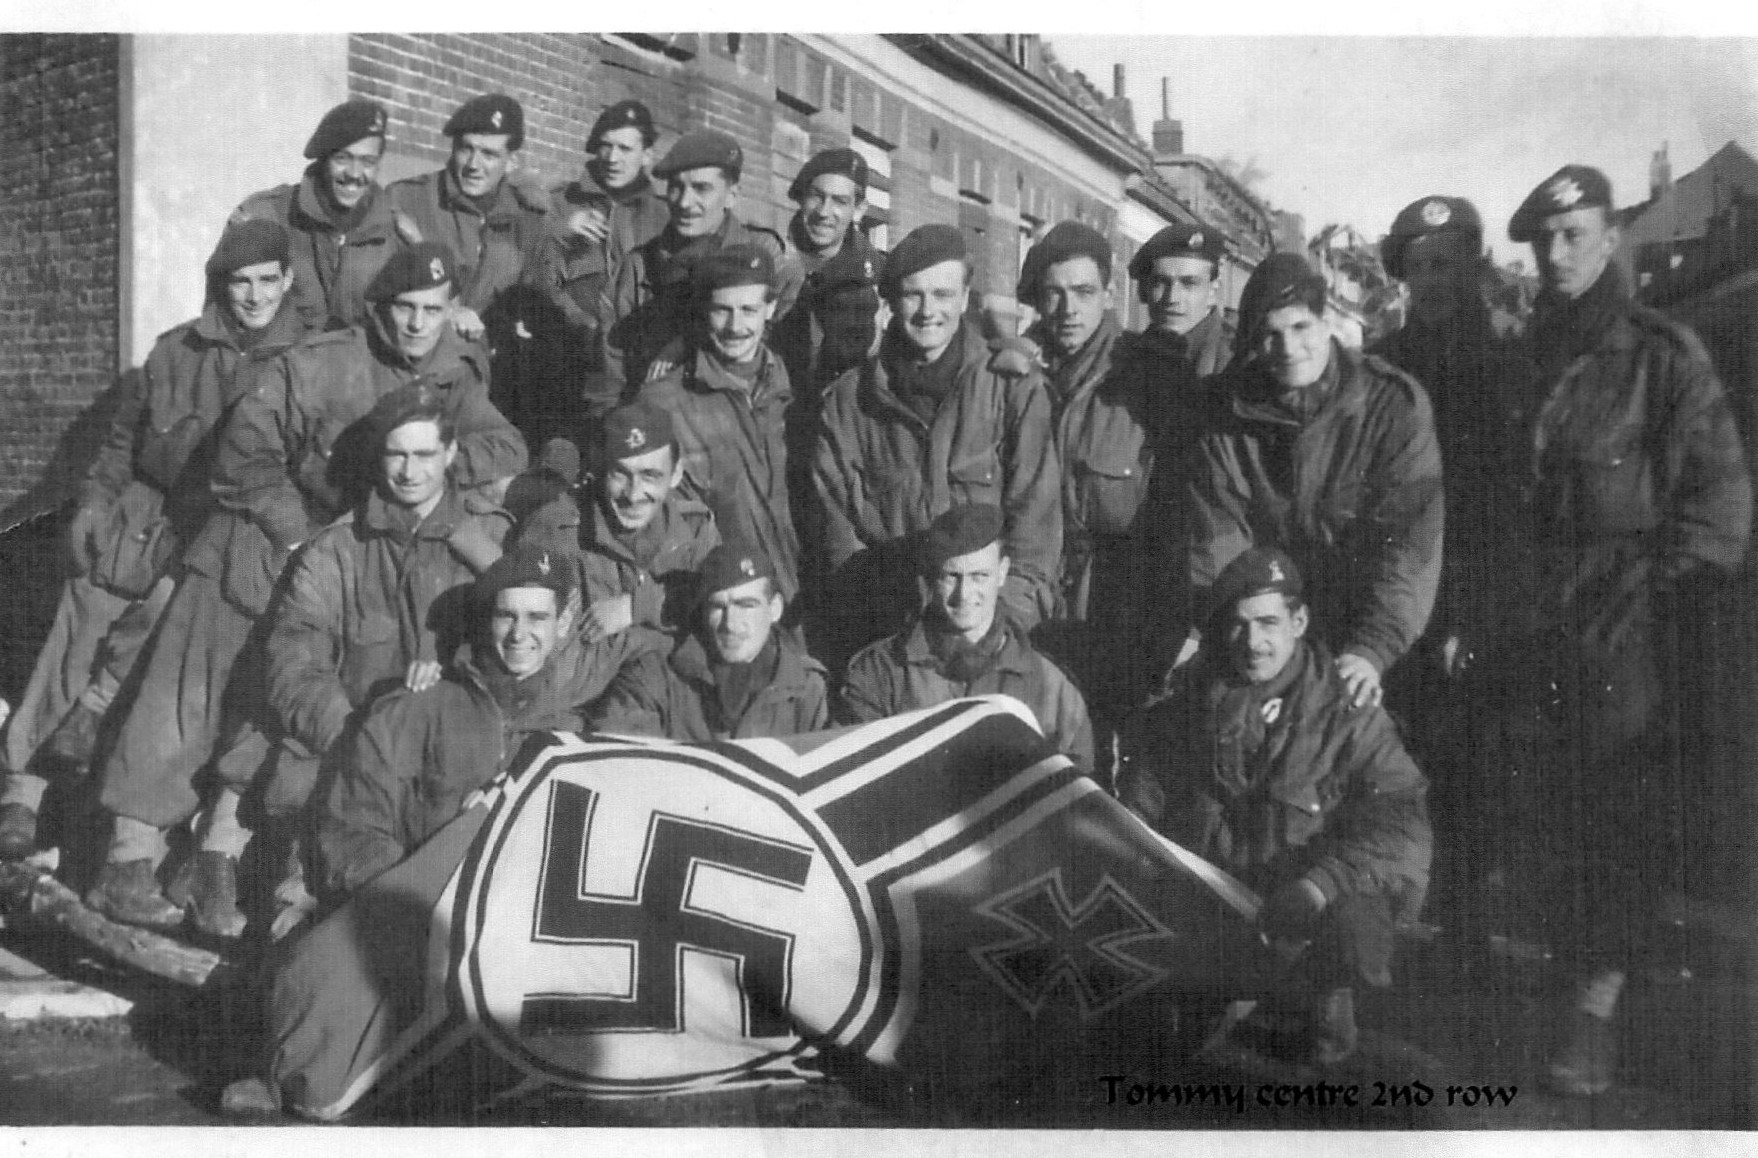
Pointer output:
x,y
58,254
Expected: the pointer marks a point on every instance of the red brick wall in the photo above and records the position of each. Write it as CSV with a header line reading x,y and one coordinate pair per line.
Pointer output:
x,y
59,214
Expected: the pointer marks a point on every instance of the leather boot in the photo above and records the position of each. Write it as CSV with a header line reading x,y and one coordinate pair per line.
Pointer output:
x,y
18,831
1334,1035
127,891
213,895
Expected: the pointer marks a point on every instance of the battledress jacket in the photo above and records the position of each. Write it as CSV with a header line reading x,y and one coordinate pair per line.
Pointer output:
x,y
331,270
674,696
497,249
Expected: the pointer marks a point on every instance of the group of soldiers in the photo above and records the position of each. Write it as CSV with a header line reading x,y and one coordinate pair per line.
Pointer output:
x,y
321,591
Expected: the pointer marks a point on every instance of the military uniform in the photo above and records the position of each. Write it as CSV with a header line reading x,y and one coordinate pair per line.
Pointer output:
x,y
676,696
332,266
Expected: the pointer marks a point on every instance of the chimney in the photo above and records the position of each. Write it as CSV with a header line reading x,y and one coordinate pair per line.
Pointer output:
x,y
1117,81
1168,133
1660,172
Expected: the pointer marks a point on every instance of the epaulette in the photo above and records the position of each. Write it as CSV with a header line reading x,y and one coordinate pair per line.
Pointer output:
x,y
275,200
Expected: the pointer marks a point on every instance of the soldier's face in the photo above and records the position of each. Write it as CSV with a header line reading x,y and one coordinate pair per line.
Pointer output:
x,y
254,293
928,305
1073,298
1295,345
413,464
637,486
699,200
620,158
967,589
1261,634
1179,292
524,626
739,619
1572,249
480,161
418,319
736,317
350,172
831,204
1441,271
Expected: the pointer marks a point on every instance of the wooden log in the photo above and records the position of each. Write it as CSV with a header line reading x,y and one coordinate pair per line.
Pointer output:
x,y
31,896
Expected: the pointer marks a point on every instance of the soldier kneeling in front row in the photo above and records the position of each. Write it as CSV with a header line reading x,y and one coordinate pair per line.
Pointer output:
x,y
1258,761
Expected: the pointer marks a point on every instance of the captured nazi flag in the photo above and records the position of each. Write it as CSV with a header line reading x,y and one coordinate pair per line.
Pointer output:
x,y
938,892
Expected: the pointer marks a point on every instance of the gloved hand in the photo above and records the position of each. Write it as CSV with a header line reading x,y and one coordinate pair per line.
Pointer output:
x,y
1290,912
79,534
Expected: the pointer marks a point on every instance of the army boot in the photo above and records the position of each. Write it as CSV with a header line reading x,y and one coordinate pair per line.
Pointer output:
x,y
1334,1035
213,895
128,892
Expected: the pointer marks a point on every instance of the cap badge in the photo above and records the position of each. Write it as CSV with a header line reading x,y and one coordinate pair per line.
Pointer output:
x,y
543,563
1436,214
1566,192
636,440
867,269
1272,710
747,567
436,269
495,119
1276,575
1196,240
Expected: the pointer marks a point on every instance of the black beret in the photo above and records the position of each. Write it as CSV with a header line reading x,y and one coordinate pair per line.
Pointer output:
x,y
1569,188
419,267
635,429
732,265
1281,279
701,149
527,565
343,125
405,404
252,241
1068,239
1254,571
959,531
841,162
1425,218
622,115
494,113
926,246
1186,239
731,565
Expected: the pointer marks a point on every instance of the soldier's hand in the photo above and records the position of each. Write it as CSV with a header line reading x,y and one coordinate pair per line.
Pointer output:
x,y
422,674
607,617
1361,679
79,536
1288,916
590,225
468,323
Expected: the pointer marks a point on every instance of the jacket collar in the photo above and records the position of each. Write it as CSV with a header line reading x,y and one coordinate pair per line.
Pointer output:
x,y
449,354
708,374
286,328
309,210
1255,396
690,660
382,517
509,200
918,652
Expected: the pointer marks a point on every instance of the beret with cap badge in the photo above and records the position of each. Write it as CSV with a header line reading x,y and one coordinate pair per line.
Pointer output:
x,y
348,122
1569,188
492,113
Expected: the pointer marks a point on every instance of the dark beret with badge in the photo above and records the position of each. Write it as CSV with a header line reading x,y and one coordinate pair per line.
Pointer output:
x,y
732,565
1065,241
527,565
1280,280
253,241
1569,188
1254,571
926,246
1185,239
493,113
348,122
422,266
837,162
1430,217
406,404
959,531
635,429
622,115
703,149
729,266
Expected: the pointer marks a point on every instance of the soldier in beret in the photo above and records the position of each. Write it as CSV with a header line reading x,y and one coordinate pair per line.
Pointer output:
x,y
736,676
936,418
596,223
1329,455
293,456
729,400
653,297
492,220
960,644
144,499
418,754
639,544
1177,276
341,226
1637,503
837,258
1260,760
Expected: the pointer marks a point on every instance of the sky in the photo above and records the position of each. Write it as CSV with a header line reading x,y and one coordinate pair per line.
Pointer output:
x,y
1352,129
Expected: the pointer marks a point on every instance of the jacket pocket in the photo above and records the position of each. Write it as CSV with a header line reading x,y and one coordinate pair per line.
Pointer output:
x,y
974,474
1110,483
1301,812
1615,490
